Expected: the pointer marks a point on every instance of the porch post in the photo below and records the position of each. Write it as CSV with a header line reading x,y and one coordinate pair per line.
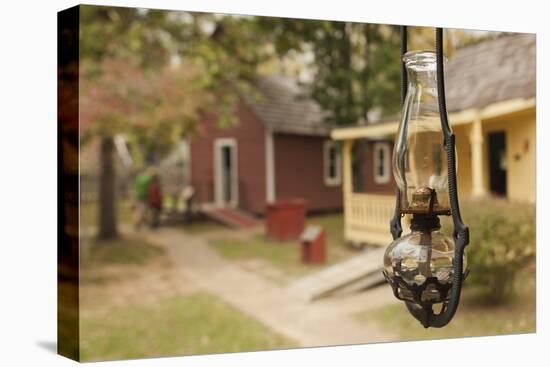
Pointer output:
x,y
347,186
476,142
347,167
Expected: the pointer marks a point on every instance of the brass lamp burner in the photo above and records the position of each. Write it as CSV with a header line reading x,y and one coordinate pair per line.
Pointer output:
x,y
424,201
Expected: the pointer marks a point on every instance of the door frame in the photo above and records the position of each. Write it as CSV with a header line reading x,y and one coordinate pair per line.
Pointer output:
x,y
219,144
490,163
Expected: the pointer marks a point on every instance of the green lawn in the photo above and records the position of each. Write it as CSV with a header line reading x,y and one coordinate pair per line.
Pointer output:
x,y
172,324
285,255
473,318
193,324
333,225
89,214
122,251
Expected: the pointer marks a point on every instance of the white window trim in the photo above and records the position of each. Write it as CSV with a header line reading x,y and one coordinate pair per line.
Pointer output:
x,y
218,144
385,178
332,181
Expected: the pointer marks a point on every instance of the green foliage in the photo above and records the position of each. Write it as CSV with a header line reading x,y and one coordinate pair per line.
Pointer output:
x,y
194,324
502,243
356,65
151,74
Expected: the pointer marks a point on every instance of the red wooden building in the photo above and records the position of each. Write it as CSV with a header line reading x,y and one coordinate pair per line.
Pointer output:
x,y
280,149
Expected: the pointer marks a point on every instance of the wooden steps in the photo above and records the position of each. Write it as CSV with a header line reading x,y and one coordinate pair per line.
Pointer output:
x,y
230,217
358,273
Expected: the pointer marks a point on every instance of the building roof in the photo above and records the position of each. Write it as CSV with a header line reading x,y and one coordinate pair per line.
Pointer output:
x,y
284,107
492,71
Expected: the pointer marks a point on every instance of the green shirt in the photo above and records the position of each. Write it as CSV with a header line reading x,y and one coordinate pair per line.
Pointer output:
x,y
141,186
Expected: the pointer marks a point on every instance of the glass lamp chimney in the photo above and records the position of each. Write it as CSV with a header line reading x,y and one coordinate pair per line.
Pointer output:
x,y
419,159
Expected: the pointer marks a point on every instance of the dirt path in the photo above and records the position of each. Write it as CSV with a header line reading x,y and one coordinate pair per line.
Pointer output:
x,y
326,322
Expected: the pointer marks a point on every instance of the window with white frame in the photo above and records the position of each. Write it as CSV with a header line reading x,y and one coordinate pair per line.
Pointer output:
x,y
332,163
381,158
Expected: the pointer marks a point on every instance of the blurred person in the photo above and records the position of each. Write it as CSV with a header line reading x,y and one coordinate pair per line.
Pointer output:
x,y
187,195
141,195
154,200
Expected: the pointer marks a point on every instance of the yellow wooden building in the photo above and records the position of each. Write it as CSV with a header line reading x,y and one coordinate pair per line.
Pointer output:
x,y
491,91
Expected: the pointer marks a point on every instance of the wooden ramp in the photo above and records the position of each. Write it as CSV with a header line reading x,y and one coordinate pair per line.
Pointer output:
x,y
361,272
230,217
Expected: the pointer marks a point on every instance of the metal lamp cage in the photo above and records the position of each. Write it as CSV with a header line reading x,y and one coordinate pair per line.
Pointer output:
x,y
421,310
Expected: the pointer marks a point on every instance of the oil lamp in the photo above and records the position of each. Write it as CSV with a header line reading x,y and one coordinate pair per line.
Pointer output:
x,y
424,267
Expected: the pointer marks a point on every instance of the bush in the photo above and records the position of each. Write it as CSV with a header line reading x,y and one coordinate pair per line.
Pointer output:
x,y
502,242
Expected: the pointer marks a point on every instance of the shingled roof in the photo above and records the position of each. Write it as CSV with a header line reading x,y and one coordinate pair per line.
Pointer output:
x,y
491,71
285,107
488,72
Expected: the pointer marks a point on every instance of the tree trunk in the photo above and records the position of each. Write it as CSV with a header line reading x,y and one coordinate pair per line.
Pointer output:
x,y
366,102
107,194
346,53
360,146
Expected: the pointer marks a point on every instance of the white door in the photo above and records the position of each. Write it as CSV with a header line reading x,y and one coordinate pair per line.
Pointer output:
x,y
226,189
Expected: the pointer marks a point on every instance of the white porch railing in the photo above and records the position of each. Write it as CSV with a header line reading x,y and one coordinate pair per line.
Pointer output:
x,y
367,218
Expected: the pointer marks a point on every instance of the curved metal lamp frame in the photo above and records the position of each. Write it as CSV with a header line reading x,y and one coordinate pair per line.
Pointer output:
x,y
424,312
